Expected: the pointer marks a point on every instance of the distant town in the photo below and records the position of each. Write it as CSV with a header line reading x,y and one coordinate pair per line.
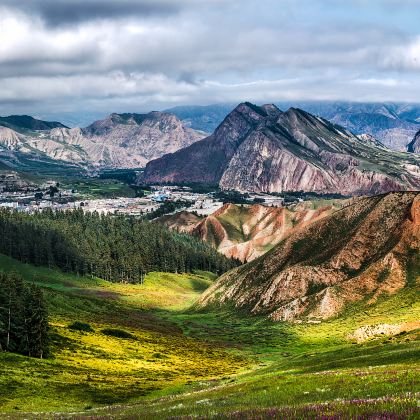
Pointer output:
x,y
51,195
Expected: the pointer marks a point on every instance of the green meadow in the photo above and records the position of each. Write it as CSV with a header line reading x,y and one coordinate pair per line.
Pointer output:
x,y
98,188
169,361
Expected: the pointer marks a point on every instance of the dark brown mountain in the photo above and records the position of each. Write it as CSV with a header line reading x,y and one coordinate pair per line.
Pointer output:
x,y
363,252
26,122
264,149
414,145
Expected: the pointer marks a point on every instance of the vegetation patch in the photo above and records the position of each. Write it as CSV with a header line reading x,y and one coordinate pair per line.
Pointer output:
x,y
81,326
114,332
114,248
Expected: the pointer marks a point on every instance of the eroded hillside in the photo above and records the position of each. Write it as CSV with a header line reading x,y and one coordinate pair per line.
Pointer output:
x,y
247,232
360,253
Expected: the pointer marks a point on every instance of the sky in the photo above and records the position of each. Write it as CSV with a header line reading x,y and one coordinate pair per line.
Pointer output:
x,y
102,56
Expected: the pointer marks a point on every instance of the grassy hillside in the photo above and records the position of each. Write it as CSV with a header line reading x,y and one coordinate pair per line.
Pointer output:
x,y
92,368
303,370
181,363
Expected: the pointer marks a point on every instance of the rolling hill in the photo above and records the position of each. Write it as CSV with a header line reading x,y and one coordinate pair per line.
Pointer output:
x,y
176,362
364,252
245,232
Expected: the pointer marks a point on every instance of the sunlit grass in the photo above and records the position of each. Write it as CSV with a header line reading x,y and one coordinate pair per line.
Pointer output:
x,y
219,363
91,368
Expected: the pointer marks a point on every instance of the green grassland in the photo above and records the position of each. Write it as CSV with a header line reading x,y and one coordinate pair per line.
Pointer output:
x,y
184,363
91,368
98,188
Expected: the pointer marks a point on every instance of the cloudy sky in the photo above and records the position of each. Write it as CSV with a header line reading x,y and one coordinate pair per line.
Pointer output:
x,y
137,55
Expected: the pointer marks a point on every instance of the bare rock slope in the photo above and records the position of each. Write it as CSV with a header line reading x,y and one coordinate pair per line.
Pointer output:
x,y
248,231
264,149
360,253
120,140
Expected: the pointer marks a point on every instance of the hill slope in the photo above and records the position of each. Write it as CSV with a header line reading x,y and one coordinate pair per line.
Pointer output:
x,y
92,368
174,365
364,251
264,149
246,232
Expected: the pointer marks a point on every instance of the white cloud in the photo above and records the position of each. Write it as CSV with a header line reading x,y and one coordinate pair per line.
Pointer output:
x,y
227,50
404,57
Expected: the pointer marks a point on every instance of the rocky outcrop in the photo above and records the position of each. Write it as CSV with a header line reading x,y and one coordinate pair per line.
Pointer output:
x,y
120,140
364,251
370,140
182,222
371,331
264,149
414,145
9,139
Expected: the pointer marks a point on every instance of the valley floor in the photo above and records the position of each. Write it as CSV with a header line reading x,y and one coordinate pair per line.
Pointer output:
x,y
179,363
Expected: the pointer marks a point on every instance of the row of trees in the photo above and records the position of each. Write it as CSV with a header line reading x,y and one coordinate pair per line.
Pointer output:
x,y
23,317
114,248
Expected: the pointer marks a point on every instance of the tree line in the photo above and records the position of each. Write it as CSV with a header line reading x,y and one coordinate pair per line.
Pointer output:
x,y
114,248
23,317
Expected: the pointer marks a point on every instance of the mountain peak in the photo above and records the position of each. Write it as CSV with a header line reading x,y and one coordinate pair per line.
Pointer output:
x,y
271,110
247,107
257,113
252,151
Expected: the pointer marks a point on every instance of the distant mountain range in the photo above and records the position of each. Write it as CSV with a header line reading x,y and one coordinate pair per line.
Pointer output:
x,y
359,254
264,149
131,140
391,123
120,140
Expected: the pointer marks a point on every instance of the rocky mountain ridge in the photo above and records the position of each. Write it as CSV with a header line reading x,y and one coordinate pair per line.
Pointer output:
x,y
360,253
264,149
393,124
120,140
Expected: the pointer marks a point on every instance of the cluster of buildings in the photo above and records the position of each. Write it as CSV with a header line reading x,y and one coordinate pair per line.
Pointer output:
x,y
120,206
200,203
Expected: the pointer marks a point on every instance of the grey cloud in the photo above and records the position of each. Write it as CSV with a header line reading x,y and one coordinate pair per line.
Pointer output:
x,y
127,54
56,12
